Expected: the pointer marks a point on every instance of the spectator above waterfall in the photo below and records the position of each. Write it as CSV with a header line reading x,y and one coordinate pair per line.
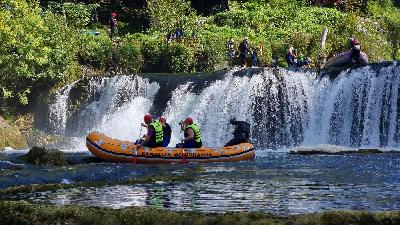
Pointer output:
x,y
112,22
355,50
241,133
94,17
244,49
354,43
254,57
303,61
230,45
179,33
291,57
166,131
154,136
192,136
274,62
176,35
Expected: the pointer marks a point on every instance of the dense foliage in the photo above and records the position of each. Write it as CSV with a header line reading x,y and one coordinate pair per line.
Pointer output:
x,y
36,49
45,43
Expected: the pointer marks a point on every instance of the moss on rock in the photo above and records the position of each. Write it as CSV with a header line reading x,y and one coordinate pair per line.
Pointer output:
x,y
22,212
184,177
40,156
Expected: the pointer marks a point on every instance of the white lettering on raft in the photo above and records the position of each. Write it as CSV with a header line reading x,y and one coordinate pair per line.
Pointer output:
x,y
180,155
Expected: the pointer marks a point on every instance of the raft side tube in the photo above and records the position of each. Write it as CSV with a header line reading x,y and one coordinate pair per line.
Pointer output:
x,y
115,150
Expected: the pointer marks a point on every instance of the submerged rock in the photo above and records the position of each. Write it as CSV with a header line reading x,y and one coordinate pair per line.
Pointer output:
x,y
43,156
320,149
332,150
369,150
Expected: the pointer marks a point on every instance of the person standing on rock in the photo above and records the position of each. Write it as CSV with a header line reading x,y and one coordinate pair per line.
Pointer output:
x,y
355,50
112,22
244,49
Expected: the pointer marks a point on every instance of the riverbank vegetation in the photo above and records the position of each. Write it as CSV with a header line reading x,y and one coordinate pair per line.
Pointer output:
x,y
47,44
21,212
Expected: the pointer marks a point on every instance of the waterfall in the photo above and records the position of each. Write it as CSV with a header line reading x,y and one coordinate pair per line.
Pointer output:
x,y
358,108
258,99
58,112
285,108
111,105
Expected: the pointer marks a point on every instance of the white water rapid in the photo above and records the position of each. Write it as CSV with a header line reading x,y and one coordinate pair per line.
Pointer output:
x,y
285,108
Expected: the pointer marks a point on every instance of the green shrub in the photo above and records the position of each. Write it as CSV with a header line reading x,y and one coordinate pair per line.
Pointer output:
x,y
211,49
36,50
154,53
233,19
389,19
167,15
181,58
280,24
95,50
76,14
129,57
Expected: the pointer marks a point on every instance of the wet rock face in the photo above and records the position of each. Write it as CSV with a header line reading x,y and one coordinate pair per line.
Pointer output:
x,y
10,136
43,156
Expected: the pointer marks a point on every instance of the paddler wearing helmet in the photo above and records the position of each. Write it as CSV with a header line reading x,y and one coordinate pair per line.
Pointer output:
x,y
154,136
192,135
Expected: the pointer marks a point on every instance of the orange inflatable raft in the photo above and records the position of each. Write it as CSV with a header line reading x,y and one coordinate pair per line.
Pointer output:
x,y
115,150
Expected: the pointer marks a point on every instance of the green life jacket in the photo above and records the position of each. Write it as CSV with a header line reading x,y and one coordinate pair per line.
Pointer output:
x,y
196,130
159,131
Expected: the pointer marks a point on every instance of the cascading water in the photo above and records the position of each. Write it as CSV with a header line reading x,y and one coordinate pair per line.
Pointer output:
x,y
115,110
358,108
112,106
285,108
256,99
58,112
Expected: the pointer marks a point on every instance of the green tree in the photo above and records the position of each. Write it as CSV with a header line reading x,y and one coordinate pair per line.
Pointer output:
x,y
167,15
36,49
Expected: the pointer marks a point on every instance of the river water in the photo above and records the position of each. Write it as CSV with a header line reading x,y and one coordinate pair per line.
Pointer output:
x,y
275,182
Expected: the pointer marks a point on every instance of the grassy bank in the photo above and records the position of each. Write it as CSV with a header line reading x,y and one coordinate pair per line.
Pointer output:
x,y
21,212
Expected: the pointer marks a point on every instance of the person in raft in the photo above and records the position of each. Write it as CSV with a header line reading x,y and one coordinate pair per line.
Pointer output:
x,y
192,136
154,136
166,131
241,133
